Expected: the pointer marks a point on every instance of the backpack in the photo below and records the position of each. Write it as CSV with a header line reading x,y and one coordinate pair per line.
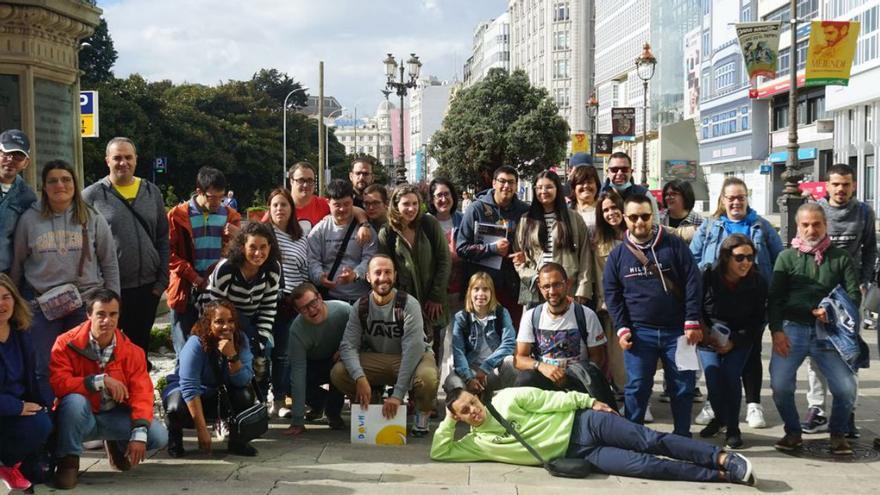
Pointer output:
x,y
499,317
363,305
587,376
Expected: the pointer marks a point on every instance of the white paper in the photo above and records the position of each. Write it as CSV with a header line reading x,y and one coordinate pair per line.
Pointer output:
x,y
369,427
686,355
489,233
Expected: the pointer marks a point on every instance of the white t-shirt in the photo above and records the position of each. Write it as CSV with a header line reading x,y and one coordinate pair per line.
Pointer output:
x,y
558,337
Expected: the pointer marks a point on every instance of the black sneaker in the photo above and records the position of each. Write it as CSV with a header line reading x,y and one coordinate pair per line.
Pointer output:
x,y
241,448
711,429
335,422
698,395
739,470
852,431
815,421
733,441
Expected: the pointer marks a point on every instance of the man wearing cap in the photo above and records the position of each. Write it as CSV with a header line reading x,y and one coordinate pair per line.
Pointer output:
x,y
619,178
15,195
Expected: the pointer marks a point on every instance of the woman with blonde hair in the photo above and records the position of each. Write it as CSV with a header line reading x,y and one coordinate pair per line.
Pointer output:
x,y
483,341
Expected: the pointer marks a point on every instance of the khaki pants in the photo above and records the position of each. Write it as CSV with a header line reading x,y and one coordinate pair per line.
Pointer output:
x,y
382,369
615,353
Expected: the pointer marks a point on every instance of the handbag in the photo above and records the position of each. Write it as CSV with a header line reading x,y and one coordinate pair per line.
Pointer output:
x,y
247,424
60,301
562,467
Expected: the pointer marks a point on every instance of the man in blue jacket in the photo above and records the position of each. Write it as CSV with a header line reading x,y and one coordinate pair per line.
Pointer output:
x,y
654,295
15,195
500,206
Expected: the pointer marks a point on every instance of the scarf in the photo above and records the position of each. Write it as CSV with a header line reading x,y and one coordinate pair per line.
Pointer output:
x,y
817,249
740,226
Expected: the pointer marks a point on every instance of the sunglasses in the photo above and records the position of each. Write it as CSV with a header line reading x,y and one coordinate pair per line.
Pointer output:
x,y
646,217
744,257
618,170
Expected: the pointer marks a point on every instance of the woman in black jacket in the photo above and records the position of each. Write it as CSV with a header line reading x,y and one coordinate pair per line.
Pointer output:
x,y
734,308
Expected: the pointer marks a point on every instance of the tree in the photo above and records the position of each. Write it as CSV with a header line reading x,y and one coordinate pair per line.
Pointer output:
x,y
502,120
341,169
96,59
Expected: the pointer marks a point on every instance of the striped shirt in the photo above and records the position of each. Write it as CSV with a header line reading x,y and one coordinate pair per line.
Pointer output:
x,y
294,259
550,220
255,297
207,229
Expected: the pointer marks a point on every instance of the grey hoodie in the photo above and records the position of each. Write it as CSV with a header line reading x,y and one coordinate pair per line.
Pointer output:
x,y
47,251
142,255
851,228
324,240
385,336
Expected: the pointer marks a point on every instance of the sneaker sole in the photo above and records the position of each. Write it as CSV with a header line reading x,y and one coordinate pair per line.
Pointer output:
x,y
788,448
815,429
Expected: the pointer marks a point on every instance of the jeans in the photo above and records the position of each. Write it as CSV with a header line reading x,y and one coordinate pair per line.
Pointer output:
x,y
617,446
137,312
23,436
641,363
783,377
181,324
817,394
723,377
77,424
44,333
280,359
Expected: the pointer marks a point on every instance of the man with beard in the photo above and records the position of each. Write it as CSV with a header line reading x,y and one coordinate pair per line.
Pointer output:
x,y
803,276
15,195
384,345
361,176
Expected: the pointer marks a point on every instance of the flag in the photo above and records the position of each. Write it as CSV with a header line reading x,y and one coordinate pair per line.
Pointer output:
x,y
759,42
580,143
831,51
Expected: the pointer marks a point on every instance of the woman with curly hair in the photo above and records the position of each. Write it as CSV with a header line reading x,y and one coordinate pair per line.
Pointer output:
x,y
216,354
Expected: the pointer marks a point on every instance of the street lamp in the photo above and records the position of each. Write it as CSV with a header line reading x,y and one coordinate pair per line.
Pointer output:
x,y
413,66
645,65
593,108
303,89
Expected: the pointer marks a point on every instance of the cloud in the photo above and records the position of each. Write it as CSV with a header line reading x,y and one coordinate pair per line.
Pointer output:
x,y
210,41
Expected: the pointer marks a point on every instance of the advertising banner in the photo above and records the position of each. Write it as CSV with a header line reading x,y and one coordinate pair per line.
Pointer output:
x,y
759,42
580,143
831,51
623,123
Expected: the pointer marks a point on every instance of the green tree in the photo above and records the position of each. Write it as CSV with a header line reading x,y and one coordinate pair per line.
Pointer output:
x,y
502,120
341,169
96,59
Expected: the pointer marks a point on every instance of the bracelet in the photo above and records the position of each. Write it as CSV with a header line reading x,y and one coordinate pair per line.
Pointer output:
x,y
536,365
234,358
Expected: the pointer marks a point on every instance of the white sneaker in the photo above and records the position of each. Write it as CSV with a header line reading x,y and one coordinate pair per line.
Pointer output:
x,y
284,412
93,444
755,415
272,406
706,414
649,418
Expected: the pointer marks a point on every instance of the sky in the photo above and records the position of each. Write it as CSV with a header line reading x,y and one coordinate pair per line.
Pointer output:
x,y
211,41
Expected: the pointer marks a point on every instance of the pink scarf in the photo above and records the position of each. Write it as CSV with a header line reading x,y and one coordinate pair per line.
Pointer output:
x,y
817,249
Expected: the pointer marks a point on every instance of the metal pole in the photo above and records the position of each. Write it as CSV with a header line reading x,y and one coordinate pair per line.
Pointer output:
x,y
356,131
645,136
401,166
321,128
284,151
791,198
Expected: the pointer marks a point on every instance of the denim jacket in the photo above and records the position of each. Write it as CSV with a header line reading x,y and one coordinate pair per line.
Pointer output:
x,y
19,198
842,329
466,350
707,243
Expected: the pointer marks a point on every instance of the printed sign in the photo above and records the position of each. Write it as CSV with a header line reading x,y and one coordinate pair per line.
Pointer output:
x,y
160,165
88,111
580,143
831,51
681,169
369,427
759,42
604,144
623,123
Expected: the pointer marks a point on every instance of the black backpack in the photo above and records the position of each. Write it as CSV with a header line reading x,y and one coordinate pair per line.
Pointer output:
x,y
587,376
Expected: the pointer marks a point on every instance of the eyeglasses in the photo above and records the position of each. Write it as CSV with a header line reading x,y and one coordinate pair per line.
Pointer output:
x,y
554,285
671,194
744,257
646,217
372,204
506,182
618,170
310,305
545,188
731,199
363,174
442,195
66,180
304,182
16,156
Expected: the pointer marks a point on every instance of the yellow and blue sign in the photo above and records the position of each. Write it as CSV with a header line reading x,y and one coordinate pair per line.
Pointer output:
x,y
88,111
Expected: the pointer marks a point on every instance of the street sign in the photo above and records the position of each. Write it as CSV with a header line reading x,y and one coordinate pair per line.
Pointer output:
x,y
88,110
160,164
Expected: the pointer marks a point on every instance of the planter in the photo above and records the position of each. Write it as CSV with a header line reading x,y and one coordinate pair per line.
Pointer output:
x,y
255,214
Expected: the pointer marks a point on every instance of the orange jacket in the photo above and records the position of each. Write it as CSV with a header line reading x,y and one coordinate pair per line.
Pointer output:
x,y
182,273
73,363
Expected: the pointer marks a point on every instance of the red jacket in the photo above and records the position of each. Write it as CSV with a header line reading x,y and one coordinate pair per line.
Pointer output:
x,y
73,363
182,273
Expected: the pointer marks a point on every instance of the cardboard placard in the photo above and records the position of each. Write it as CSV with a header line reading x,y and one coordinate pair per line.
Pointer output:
x,y
369,427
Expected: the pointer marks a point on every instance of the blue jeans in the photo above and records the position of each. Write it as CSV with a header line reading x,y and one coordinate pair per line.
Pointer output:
x,y
783,377
77,424
640,362
723,377
181,324
23,436
280,359
617,446
44,332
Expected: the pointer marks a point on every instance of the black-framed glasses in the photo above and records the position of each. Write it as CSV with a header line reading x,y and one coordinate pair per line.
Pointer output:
x,y
372,204
304,182
646,217
618,170
310,305
506,182
441,195
739,198
739,258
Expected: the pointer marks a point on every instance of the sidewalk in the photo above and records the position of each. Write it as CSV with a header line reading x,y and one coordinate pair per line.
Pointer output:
x,y
323,462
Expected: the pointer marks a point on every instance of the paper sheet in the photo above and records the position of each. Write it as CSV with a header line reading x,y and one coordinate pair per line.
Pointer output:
x,y
489,233
686,355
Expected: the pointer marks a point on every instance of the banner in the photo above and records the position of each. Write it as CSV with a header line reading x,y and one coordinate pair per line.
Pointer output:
x,y
831,51
604,144
623,123
759,42
580,143
88,111
681,169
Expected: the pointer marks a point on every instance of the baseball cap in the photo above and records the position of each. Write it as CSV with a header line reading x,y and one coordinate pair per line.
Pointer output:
x,y
15,140
580,159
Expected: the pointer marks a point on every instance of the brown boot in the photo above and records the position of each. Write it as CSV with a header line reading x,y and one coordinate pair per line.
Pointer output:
x,y
67,472
116,456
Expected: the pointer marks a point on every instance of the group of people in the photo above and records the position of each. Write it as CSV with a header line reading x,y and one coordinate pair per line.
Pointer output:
x,y
353,294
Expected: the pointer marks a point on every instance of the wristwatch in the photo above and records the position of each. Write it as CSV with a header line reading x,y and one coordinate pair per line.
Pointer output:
x,y
536,365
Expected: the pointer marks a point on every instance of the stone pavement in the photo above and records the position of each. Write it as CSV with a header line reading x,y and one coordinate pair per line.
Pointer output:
x,y
323,462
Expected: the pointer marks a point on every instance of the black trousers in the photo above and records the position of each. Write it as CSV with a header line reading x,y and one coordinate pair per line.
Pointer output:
x,y
317,374
753,374
534,378
137,314
177,416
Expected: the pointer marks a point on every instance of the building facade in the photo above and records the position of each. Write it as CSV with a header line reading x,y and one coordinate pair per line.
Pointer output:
x,y
491,49
428,103
368,135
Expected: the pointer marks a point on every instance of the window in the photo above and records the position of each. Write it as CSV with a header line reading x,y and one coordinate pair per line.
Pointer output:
x,y
560,69
745,14
560,40
868,183
866,49
745,123
869,123
780,117
561,95
706,43
852,125
560,12
707,4
724,76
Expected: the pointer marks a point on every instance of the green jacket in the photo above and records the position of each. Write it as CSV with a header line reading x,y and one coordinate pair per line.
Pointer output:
x,y
543,418
798,285
423,270
578,263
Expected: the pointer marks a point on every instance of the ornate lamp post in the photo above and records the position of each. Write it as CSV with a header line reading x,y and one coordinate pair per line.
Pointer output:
x,y
401,87
645,65
284,146
593,108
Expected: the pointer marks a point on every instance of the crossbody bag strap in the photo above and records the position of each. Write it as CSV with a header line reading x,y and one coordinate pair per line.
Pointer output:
x,y
510,429
83,250
134,212
654,270
341,252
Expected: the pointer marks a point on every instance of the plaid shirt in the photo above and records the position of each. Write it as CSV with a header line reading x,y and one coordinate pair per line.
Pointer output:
x,y
104,356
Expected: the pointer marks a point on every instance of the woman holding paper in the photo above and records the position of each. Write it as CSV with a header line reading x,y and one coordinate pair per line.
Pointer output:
x,y
734,301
